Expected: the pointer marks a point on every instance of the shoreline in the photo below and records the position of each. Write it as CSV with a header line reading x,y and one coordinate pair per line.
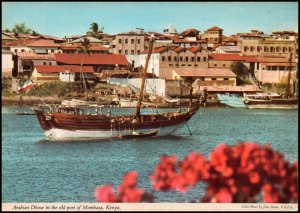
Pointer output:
x,y
19,100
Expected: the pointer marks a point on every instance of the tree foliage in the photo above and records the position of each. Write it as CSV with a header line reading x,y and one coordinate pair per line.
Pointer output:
x,y
21,28
239,68
95,31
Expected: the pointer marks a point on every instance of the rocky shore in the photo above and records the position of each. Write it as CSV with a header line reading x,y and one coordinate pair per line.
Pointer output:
x,y
29,100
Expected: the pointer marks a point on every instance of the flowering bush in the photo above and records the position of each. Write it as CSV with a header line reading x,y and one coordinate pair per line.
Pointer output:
x,y
233,173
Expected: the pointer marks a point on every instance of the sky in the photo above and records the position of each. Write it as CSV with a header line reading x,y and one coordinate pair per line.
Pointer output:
x,y
74,18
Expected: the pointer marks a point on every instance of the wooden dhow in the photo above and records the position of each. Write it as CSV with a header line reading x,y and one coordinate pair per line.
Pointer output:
x,y
72,123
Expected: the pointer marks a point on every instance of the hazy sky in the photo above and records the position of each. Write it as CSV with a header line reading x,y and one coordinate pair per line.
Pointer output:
x,y
74,18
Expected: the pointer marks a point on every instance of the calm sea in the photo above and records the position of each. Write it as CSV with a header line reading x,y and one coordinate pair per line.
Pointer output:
x,y
37,170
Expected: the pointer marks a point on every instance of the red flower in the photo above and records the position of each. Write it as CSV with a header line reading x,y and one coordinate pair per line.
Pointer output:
x,y
105,194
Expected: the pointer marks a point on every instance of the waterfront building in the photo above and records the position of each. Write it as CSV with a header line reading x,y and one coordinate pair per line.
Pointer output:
x,y
24,62
205,76
223,60
179,57
272,69
100,62
256,43
66,73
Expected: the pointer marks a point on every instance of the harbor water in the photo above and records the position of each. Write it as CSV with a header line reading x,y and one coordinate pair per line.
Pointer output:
x,y
37,170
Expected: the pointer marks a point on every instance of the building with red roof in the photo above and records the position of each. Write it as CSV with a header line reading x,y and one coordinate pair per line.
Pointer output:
x,y
207,76
98,61
43,46
65,73
77,48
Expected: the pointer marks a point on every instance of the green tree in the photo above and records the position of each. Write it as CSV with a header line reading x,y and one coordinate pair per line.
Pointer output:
x,y
241,71
239,68
95,31
21,28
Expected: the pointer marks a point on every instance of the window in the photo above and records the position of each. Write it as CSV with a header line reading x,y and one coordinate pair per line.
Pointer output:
x,y
223,65
175,58
281,68
126,41
204,58
120,41
138,52
138,41
22,50
163,58
198,59
16,50
126,52
132,41
183,65
274,67
226,79
169,58
132,52
186,58
189,65
192,59
213,79
52,51
50,63
120,51
44,63
170,65
215,65
180,58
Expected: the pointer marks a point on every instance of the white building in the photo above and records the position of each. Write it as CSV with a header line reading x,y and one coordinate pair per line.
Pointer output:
x,y
7,63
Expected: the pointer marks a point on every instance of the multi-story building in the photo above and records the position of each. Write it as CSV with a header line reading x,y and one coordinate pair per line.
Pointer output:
x,y
177,57
131,43
256,43
213,36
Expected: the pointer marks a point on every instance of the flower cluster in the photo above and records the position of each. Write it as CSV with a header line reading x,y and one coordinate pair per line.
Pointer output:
x,y
128,191
233,173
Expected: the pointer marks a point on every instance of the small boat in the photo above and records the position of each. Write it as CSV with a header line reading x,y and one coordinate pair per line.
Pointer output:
x,y
136,134
24,113
232,100
269,101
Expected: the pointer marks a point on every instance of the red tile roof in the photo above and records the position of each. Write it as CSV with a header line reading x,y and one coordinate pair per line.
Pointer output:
x,y
75,46
204,72
43,43
34,56
215,28
225,57
155,50
91,59
49,68
17,43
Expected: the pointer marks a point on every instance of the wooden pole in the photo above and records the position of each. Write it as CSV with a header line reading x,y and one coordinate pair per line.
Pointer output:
x,y
144,75
289,78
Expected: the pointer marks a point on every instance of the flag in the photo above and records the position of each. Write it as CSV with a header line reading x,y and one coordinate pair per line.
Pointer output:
x,y
26,85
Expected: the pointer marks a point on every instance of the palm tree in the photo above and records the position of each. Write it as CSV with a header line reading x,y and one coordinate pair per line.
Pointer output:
x,y
95,31
85,49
